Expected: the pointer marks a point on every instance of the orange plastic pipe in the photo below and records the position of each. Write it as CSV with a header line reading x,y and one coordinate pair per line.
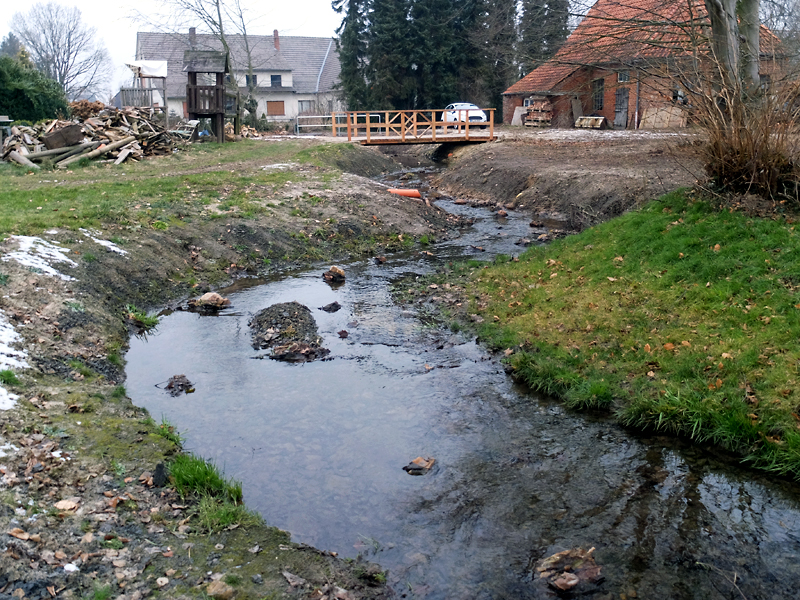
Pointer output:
x,y
407,193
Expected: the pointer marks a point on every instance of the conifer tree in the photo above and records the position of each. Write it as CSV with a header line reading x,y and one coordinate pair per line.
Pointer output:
x,y
351,45
389,70
543,29
436,53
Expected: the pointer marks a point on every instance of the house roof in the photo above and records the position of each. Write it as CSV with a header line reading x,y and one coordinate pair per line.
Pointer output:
x,y
624,31
312,61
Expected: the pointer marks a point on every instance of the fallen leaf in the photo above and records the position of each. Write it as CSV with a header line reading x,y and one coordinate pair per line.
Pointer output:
x,y
611,278
66,505
18,533
162,581
647,348
651,374
685,343
618,259
60,555
508,352
669,346
727,355
716,247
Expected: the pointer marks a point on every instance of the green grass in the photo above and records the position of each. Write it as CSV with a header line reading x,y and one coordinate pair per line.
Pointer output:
x,y
157,194
168,431
100,593
193,475
217,514
141,318
677,318
7,377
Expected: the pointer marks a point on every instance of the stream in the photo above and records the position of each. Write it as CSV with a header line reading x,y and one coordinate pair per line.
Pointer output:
x,y
320,448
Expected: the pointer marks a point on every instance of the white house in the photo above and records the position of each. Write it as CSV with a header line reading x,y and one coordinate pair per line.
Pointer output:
x,y
293,75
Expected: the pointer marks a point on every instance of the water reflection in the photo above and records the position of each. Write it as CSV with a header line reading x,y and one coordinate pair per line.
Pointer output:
x,y
320,447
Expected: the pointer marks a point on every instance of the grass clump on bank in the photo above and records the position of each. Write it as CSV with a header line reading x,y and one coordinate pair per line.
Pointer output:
x,y
677,318
220,503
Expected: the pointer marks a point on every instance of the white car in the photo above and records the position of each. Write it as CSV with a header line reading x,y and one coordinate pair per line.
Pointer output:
x,y
459,112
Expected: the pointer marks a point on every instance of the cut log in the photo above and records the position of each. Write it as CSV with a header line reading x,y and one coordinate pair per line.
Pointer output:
x,y
98,152
82,149
19,159
46,153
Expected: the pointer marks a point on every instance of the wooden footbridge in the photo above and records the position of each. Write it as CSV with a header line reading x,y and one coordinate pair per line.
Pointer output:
x,y
410,127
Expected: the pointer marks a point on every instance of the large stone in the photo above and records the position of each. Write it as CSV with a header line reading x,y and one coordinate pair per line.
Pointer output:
x,y
289,330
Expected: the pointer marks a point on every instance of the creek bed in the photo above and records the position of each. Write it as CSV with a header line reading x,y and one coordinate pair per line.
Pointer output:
x,y
320,448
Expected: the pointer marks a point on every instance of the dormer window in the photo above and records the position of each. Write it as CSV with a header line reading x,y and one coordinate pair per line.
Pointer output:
x,y
275,80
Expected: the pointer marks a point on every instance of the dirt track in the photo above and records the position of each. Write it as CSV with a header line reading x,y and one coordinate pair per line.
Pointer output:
x,y
580,177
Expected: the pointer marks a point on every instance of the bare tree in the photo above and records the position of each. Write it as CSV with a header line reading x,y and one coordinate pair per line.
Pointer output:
x,y
63,47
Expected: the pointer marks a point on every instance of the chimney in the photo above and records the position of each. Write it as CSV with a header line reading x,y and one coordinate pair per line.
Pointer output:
x,y
277,39
192,37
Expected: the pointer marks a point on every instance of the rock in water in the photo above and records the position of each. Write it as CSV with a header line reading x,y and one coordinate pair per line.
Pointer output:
x,y
332,307
209,301
571,569
287,329
179,384
334,274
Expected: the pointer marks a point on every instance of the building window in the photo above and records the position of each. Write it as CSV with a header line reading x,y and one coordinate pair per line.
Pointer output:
x,y
305,106
251,80
598,92
623,76
275,108
275,80
678,95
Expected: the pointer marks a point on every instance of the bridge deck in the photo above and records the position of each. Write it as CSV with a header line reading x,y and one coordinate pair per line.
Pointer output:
x,y
410,127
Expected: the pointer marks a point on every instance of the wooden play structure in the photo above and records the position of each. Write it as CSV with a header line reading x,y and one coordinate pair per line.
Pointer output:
x,y
207,96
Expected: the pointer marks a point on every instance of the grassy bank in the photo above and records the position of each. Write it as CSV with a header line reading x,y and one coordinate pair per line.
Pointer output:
x,y
677,318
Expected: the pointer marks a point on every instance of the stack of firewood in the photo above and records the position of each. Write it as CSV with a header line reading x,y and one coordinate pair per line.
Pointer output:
x,y
111,134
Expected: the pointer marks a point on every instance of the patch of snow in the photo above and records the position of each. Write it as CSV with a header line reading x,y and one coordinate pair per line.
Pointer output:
x,y
7,399
70,568
10,357
38,253
279,166
51,231
105,243
7,448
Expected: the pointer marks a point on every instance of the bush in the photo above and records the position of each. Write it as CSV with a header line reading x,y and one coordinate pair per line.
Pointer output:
x,y
26,94
752,146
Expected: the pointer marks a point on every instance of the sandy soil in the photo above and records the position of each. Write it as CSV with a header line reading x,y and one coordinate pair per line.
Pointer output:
x,y
576,177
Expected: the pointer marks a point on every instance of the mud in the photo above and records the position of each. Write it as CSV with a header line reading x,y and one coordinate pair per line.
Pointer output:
x,y
576,177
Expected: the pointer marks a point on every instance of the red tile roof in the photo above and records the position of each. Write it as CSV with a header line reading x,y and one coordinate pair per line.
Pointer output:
x,y
622,31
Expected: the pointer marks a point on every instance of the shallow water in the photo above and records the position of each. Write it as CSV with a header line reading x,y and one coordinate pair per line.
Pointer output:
x,y
320,447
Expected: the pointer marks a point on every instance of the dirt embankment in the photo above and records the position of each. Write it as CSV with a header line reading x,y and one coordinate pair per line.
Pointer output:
x,y
577,177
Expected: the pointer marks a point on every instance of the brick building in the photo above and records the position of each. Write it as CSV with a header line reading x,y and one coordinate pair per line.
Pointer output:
x,y
623,62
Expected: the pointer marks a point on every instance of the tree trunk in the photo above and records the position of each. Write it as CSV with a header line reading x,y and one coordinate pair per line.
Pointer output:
x,y
725,39
750,29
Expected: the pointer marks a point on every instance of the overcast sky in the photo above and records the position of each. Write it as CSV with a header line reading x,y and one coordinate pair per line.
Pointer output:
x,y
116,25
